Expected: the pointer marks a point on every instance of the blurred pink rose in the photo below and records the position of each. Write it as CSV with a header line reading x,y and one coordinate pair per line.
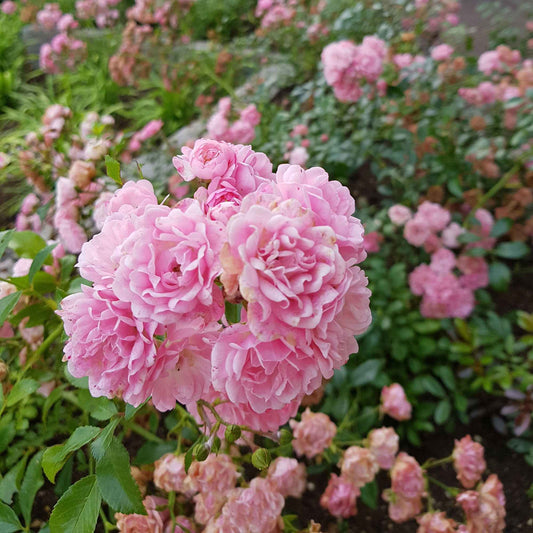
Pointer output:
x,y
394,402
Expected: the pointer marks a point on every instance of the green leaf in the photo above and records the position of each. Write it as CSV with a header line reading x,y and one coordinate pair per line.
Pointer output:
x,y
188,459
56,456
33,481
499,276
431,385
8,520
442,412
366,372
445,373
44,283
5,237
512,250
501,227
7,303
467,237
23,388
10,483
39,260
100,445
77,510
116,484
369,494
113,169
132,411
150,452
99,408
427,326
26,243
37,313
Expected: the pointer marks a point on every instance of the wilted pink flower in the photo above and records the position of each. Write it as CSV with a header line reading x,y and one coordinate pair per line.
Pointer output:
x,y
358,465
340,497
313,434
402,509
399,214
287,476
468,461
407,477
169,473
81,173
435,523
442,52
383,443
394,402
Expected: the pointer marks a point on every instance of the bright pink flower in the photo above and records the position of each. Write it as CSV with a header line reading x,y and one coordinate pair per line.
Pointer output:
x,y
468,461
383,443
167,267
399,214
394,402
264,375
407,477
169,473
435,523
358,465
442,52
313,434
340,497
287,476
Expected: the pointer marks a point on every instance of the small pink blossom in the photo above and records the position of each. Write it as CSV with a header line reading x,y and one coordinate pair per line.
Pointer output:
x,y
435,523
489,62
169,473
475,272
152,522
442,52
313,434
298,156
340,497
371,242
468,461
407,477
217,474
399,214
402,509
287,476
383,443
450,235
394,402
442,261
416,231
358,465
9,7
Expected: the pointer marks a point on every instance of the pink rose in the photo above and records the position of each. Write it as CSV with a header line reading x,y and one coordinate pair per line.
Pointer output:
x,y
383,443
287,476
416,231
407,477
394,402
442,261
475,272
402,509
313,434
399,214
435,523
153,522
358,466
169,473
217,474
340,497
468,461
442,52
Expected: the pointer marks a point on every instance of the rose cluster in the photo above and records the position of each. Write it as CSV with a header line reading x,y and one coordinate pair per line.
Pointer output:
x,y
346,65
248,293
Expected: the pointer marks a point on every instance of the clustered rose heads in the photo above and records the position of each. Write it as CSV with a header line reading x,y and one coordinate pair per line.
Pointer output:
x,y
242,130
347,65
283,245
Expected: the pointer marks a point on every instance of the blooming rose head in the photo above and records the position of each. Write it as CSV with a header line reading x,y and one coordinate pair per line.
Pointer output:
x,y
399,214
313,434
468,461
169,473
287,476
340,497
358,465
435,523
394,402
152,522
383,443
217,473
407,477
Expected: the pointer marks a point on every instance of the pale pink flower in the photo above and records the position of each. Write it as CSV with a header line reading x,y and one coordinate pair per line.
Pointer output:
x,y
446,297
9,7
287,476
72,235
383,443
169,473
22,267
133,197
207,505
416,231
442,261
394,402
407,477
399,214
433,215
217,474
299,129
100,209
358,465
46,388
256,509
298,156
450,235
402,509
435,523
442,52
402,60
371,241
340,497
313,434
48,17
489,62
153,522
468,461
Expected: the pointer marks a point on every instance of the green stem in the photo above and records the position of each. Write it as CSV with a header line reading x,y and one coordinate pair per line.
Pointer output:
x,y
430,463
450,490
219,81
142,432
42,347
